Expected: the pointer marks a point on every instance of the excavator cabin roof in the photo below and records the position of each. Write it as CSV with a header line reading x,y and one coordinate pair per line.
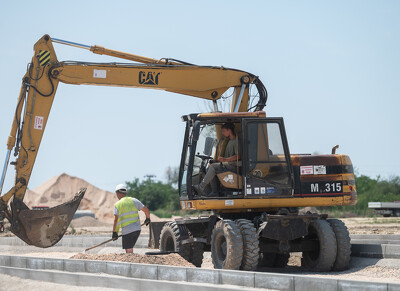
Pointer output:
x,y
223,115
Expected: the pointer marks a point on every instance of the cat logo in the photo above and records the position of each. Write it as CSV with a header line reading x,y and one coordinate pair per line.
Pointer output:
x,y
151,78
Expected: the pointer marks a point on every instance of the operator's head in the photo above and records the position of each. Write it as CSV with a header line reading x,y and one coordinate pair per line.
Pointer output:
x,y
120,190
228,129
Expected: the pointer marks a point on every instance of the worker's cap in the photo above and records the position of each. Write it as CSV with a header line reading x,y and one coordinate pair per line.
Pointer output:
x,y
121,188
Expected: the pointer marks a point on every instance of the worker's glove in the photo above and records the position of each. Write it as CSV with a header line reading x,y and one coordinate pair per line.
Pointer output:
x,y
114,236
147,221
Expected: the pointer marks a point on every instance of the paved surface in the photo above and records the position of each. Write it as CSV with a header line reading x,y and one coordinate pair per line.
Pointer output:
x,y
370,269
152,277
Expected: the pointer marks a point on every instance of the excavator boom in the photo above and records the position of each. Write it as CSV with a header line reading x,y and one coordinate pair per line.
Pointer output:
x,y
44,228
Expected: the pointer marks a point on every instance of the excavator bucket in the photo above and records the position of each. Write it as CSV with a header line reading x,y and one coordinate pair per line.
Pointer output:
x,y
43,228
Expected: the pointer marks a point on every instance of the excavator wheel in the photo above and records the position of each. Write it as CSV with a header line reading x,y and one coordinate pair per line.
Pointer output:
x,y
197,254
170,240
323,257
250,244
343,245
226,245
273,260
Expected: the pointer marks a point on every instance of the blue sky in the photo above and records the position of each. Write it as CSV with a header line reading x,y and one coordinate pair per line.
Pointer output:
x,y
332,70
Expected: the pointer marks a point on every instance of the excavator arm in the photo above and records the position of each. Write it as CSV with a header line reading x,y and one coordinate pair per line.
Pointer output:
x,y
44,228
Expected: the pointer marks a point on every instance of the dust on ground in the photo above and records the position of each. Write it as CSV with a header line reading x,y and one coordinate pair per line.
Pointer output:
x,y
372,225
170,259
366,269
88,221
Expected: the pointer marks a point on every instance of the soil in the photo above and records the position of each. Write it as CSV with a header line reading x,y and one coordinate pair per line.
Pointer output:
x,y
373,225
170,259
87,221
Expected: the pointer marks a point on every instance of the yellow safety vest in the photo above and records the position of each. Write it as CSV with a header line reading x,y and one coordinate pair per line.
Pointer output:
x,y
127,212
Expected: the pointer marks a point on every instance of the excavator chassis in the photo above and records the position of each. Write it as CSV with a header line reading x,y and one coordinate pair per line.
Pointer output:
x,y
43,228
265,240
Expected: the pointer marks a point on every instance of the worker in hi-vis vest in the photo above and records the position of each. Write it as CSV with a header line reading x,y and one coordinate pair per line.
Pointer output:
x,y
126,217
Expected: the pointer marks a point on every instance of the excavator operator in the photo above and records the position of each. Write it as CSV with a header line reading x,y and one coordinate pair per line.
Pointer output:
x,y
227,162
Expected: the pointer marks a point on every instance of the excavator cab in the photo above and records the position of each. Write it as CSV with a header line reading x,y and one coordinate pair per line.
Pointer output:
x,y
263,168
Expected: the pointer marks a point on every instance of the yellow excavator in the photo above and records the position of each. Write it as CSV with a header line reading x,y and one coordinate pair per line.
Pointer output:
x,y
255,219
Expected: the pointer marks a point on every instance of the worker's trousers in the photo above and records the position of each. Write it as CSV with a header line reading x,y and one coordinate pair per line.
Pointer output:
x,y
211,176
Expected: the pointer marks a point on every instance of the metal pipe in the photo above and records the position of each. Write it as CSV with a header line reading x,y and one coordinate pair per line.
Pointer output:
x,y
3,175
239,100
57,40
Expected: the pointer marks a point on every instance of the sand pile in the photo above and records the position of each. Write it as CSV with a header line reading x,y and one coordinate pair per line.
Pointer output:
x,y
62,188
170,259
86,221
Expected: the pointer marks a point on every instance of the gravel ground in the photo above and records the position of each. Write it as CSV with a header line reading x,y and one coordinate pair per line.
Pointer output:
x,y
170,259
373,225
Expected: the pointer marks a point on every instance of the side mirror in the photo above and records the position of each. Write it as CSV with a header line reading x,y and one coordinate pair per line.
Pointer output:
x,y
208,146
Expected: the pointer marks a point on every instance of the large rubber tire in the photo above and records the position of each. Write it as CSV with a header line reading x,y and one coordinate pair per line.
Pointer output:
x,y
197,254
170,240
226,245
250,244
323,257
343,245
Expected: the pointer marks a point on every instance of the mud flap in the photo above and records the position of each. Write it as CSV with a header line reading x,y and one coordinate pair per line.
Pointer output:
x,y
43,228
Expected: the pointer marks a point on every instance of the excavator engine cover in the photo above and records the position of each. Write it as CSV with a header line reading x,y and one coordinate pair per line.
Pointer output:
x,y
43,228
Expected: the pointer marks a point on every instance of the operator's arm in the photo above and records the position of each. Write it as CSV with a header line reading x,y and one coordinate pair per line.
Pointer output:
x,y
230,159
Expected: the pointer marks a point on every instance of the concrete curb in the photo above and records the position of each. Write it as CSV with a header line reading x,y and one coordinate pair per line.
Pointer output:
x,y
375,239
387,251
79,241
92,280
220,278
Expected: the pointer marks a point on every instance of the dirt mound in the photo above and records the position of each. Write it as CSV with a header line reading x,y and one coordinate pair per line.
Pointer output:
x,y
62,188
170,259
86,221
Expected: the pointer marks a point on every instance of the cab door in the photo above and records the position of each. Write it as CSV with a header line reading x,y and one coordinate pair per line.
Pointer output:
x,y
267,166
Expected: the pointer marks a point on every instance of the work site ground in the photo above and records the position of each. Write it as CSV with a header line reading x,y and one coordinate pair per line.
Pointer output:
x,y
365,268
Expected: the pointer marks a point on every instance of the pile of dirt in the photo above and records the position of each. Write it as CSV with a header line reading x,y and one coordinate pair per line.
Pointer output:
x,y
170,259
62,188
86,221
